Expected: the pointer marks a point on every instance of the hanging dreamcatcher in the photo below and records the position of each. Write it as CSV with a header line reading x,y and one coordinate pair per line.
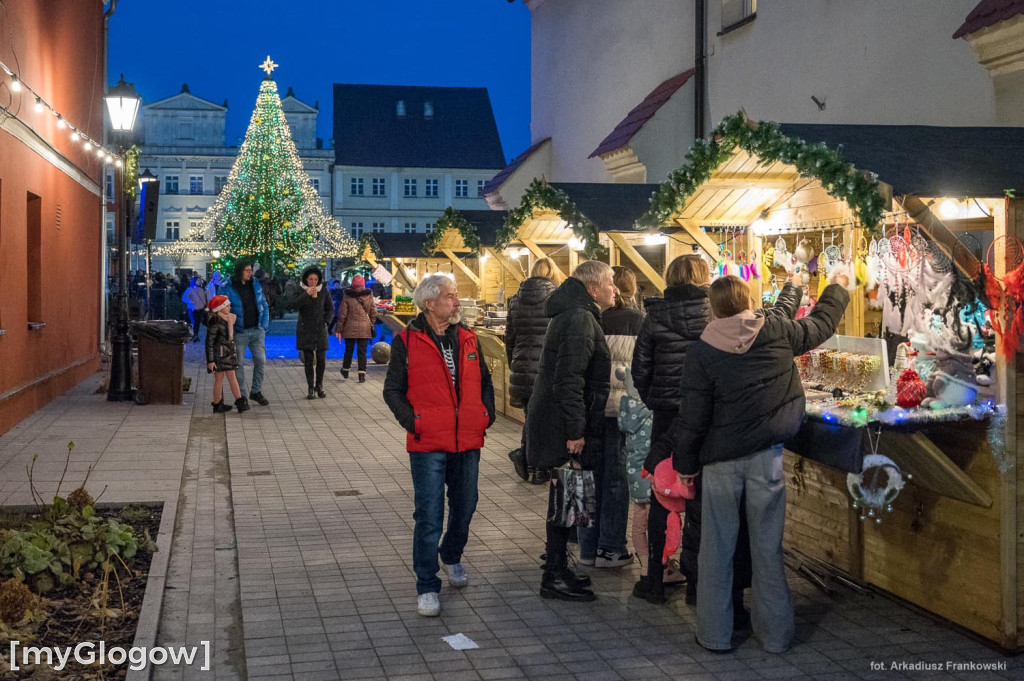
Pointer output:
x,y
1004,288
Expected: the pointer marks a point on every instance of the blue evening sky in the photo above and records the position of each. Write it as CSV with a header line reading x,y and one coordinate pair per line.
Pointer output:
x,y
216,46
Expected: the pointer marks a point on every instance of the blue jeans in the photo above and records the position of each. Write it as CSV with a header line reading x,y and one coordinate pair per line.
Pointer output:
x,y
254,339
609,530
760,475
431,471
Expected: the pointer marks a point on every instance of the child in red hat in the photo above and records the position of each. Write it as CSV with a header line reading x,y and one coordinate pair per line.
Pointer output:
x,y
221,359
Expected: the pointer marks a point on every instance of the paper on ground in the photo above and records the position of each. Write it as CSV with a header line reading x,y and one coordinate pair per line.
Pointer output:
x,y
460,642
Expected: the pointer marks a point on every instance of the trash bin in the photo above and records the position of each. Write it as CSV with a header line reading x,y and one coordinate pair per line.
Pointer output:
x,y
161,360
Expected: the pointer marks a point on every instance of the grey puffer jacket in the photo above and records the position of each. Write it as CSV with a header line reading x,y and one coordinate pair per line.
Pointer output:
x,y
524,336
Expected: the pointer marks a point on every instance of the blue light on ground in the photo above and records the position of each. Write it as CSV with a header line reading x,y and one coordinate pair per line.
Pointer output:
x,y
283,347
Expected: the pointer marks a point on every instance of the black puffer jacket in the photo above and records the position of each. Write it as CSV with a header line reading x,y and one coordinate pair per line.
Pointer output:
x,y
572,384
672,325
314,314
741,388
524,336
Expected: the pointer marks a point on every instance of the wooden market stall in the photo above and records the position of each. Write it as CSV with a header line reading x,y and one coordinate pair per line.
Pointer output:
x,y
951,542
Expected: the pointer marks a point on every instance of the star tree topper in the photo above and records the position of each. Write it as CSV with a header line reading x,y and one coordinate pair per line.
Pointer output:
x,y
268,65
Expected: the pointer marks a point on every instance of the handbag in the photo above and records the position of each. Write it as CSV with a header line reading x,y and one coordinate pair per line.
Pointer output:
x,y
574,498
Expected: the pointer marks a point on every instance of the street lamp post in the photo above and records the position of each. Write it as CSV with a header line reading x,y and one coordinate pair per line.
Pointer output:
x,y
123,107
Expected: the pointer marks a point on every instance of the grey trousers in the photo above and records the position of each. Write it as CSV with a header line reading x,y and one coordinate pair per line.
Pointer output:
x,y
760,474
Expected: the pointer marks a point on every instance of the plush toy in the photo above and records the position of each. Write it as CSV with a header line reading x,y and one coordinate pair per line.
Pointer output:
x,y
910,390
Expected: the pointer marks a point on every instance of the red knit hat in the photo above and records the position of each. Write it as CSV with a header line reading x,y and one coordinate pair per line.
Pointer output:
x,y
358,280
217,303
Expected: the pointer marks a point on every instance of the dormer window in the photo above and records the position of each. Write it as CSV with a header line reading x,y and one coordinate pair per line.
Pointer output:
x,y
428,110
400,108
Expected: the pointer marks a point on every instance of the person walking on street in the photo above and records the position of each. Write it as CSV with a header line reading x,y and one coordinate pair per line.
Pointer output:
x,y
439,389
356,318
566,414
524,338
603,544
741,399
253,318
221,360
195,298
212,286
315,311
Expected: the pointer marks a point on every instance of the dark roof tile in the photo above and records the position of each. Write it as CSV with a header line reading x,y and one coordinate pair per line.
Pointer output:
x,y
495,182
460,133
988,13
642,113
612,207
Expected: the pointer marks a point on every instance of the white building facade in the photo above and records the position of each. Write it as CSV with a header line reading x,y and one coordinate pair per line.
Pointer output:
x,y
405,153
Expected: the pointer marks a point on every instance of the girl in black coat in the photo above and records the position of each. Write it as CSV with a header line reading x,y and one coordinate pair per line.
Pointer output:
x,y
316,310
221,358
566,411
524,338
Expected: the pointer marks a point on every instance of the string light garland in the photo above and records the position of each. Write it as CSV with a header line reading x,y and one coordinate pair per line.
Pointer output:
x,y
269,210
41,106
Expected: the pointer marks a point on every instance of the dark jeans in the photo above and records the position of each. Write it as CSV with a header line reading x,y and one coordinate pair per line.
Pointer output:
x,y
351,344
431,471
609,530
321,365
198,317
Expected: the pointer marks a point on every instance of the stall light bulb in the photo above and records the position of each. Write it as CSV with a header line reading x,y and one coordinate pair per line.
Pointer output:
x,y
576,243
15,84
118,163
656,239
88,147
60,122
39,105
484,256
949,209
109,158
775,221
99,151
759,227
74,135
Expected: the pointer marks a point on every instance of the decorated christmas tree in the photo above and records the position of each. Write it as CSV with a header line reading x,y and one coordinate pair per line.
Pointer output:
x,y
268,210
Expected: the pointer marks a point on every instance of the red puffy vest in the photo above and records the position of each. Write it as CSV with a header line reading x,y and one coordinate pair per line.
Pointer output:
x,y
444,421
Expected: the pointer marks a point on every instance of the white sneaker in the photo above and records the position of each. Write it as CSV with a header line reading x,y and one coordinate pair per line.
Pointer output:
x,y
457,576
428,605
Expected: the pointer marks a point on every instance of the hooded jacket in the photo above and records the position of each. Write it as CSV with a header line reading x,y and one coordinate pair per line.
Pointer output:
x,y
231,290
741,390
357,313
672,325
571,389
524,336
314,313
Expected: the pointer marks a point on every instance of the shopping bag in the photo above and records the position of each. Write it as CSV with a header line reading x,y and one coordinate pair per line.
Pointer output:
x,y
574,498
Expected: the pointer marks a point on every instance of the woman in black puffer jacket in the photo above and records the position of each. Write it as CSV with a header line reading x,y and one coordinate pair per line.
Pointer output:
x,y
316,310
524,338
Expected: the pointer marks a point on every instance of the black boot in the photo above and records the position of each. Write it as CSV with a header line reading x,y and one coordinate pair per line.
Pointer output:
x,y
362,377
220,407
320,392
344,374
241,404
518,458
691,593
652,593
310,393
558,584
539,476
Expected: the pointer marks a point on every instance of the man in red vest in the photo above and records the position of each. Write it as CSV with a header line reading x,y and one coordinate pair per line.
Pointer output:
x,y
439,389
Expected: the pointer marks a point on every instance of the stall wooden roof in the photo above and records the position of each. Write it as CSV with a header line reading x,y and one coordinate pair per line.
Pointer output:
x,y
486,222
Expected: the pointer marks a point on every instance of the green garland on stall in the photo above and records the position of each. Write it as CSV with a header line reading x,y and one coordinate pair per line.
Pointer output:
x,y
131,171
766,142
452,219
541,195
368,240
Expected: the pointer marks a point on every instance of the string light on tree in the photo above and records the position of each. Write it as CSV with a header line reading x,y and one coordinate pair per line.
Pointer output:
x,y
268,210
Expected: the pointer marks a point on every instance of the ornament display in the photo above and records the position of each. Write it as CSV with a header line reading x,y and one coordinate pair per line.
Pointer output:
x,y
875,488
910,389
804,251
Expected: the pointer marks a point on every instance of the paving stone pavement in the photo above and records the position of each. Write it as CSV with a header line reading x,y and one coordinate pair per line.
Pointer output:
x,y
323,509
302,531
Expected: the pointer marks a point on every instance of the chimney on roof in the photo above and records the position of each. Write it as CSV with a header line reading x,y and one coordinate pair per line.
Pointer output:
x,y
225,102
316,105
291,92
184,88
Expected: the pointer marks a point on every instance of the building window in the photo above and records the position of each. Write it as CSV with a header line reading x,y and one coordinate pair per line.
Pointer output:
x,y
480,184
379,186
461,189
429,227
219,182
410,228
400,108
316,184
195,184
410,186
356,186
736,13
110,185
34,261
428,110
172,230
378,227
170,184
431,188
357,230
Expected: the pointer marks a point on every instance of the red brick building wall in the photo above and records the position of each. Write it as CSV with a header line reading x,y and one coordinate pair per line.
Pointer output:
x,y
50,202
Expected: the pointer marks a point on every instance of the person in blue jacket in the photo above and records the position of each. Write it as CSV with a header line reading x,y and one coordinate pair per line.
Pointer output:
x,y
253,318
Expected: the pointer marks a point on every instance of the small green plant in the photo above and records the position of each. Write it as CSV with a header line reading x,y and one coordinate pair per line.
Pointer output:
x,y
136,514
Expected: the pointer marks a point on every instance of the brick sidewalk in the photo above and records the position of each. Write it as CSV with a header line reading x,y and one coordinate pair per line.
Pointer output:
x,y
316,498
